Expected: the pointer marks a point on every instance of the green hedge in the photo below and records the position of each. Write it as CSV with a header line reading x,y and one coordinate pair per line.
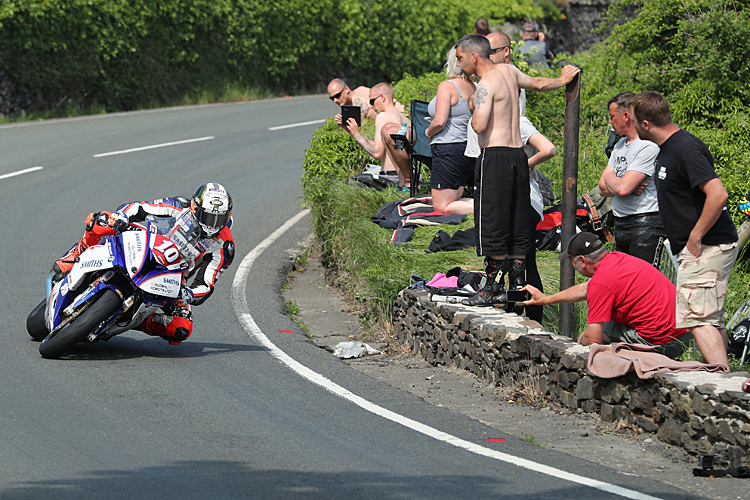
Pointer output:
x,y
632,59
136,53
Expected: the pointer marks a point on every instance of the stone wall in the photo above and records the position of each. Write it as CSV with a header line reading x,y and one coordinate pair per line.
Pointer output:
x,y
704,413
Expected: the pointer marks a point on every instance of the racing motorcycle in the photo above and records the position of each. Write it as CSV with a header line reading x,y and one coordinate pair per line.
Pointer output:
x,y
115,285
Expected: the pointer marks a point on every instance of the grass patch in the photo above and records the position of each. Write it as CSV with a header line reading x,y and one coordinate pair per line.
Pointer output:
x,y
532,440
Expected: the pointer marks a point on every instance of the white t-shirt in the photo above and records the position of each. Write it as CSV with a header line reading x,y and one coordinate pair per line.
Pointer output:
x,y
527,130
639,156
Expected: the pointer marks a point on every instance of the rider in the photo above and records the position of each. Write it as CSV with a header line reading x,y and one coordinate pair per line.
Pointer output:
x,y
208,255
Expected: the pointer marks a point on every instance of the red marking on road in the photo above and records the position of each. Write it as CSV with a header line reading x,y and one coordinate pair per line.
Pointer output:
x,y
495,440
284,331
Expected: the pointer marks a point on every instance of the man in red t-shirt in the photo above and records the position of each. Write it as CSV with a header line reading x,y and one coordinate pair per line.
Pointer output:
x,y
629,299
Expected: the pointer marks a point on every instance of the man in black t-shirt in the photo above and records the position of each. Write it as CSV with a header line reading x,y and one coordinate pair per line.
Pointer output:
x,y
692,206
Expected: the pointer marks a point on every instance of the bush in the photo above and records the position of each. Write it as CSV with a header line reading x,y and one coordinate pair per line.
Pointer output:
x,y
632,59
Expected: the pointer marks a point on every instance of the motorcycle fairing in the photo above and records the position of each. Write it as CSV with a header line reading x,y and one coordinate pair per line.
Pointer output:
x,y
94,258
160,283
135,249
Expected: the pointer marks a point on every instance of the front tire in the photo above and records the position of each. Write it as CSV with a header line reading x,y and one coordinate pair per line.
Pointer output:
x,y
102,308
35,322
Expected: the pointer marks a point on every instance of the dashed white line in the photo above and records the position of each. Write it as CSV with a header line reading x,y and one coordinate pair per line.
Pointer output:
x,y
20,172
154,146
241,309
300,124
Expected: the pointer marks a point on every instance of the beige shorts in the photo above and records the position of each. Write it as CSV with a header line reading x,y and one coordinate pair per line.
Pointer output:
x,y
702,285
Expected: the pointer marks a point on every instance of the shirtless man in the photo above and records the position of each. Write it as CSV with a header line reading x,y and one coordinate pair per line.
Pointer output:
x,y
387,122
340,93
501,174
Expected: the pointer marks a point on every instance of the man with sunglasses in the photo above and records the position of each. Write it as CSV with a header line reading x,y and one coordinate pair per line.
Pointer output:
x,y
500,53
387,121
340,93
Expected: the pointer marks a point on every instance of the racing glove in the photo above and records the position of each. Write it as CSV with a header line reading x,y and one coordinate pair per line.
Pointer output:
x,y
186,295
118,221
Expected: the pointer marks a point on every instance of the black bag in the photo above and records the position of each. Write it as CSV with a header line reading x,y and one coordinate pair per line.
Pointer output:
x,y
545,187
375,181
443,242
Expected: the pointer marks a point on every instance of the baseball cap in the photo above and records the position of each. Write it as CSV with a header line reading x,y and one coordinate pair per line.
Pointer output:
x,y
581,244
528,27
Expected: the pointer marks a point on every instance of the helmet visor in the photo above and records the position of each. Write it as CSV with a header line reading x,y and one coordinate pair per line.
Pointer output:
x,y
212,220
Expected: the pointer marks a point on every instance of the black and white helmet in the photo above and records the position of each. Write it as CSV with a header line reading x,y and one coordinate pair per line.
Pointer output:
x,y
212,207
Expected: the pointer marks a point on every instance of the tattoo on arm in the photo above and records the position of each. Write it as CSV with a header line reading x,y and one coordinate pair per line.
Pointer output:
x,y
364,106
366,144
480,97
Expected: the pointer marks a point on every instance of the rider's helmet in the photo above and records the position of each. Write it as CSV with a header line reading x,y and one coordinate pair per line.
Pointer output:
x,y
212,207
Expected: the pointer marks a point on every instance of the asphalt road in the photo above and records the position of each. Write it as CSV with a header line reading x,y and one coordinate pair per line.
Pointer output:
x,y
222,416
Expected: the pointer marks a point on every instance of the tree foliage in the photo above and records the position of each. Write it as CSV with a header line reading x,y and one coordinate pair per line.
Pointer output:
x,y
136,53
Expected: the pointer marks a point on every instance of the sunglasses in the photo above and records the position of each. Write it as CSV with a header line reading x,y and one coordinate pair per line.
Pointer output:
x,y
495,50
336,96
372,101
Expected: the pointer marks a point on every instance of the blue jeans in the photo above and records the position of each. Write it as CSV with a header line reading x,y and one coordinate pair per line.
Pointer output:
x,y
639,235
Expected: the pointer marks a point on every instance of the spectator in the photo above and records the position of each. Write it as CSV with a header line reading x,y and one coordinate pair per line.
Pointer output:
x,y
501,174
629,300
387,122
501,53
629,178
538,149
450,117
482,26
692,205
340,93
533,47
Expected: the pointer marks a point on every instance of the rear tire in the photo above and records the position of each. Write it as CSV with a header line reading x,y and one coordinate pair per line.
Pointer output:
x,y
100,310
35,322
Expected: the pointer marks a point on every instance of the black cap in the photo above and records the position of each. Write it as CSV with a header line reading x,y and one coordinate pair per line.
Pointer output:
x,y
581,244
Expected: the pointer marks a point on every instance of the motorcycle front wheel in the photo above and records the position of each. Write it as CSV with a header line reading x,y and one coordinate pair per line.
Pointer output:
x,y
35,322
101,308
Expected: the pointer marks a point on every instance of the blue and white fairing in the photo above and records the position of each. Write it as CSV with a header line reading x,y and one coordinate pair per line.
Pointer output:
x,y
151,261
137,247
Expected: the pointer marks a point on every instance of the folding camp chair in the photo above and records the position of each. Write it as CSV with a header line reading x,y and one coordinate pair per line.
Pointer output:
x,y
419,150
419,146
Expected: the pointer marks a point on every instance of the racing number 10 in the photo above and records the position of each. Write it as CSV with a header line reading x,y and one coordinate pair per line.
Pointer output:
x,y
166,252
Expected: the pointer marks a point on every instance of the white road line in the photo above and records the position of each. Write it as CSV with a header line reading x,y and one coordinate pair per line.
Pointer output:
x,y
20,172
301,124
239,301
154,146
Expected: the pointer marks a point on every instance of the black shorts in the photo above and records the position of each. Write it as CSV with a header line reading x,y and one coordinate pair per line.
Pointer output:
x,y
450,168
501,202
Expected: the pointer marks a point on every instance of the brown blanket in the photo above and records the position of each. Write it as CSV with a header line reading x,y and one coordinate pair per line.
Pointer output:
x,y
610,361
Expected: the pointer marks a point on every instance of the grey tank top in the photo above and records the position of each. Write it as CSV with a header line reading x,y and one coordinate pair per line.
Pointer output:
x,y
458,119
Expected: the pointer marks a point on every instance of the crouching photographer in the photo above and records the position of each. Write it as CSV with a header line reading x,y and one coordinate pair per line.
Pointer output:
x,y
629,299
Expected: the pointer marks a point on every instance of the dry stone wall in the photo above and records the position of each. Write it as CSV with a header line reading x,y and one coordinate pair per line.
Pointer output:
x,y
704,413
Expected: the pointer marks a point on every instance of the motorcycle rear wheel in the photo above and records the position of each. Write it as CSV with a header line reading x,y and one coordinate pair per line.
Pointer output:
x,y
100,310
35,322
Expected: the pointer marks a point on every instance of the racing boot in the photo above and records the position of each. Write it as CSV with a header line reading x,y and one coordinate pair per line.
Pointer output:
x,y
96,227
174,323
516,281
492,290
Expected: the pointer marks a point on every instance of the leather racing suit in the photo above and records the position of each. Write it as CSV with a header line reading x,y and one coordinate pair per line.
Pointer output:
x,y
207,258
